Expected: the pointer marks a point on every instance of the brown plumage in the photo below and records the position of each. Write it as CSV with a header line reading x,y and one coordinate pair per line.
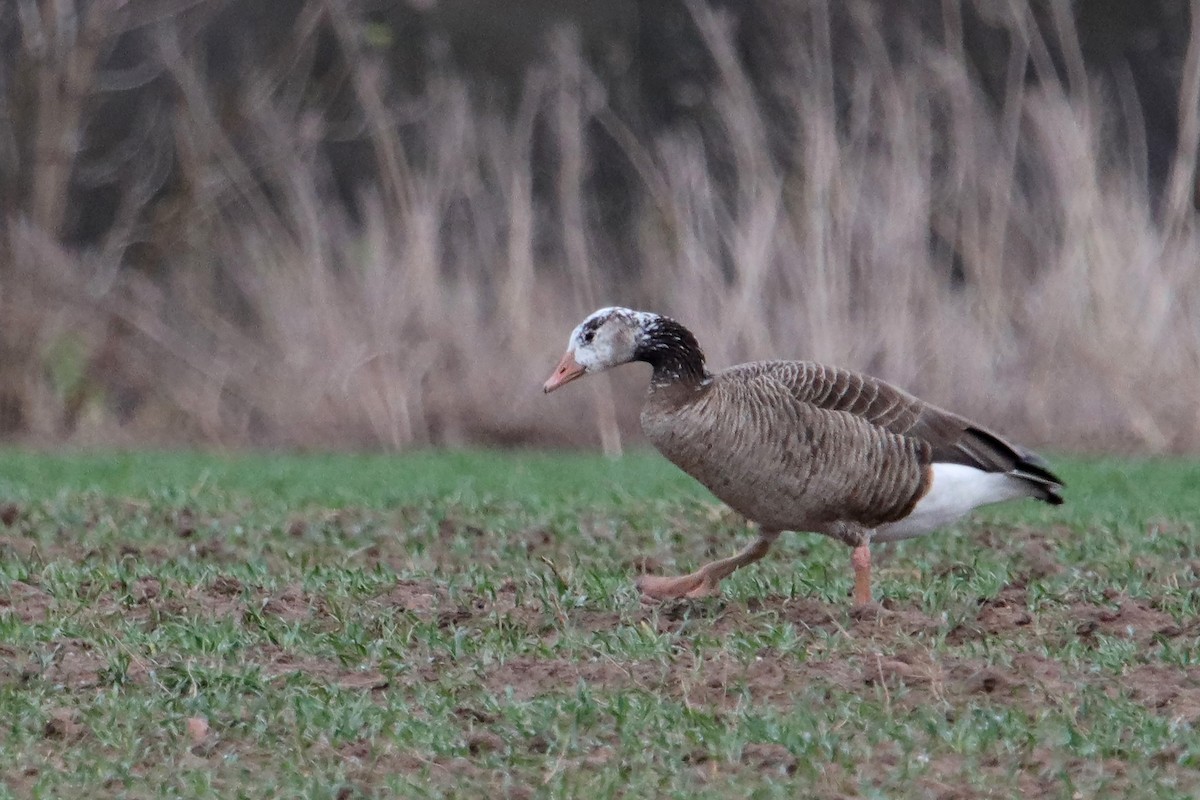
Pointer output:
x,y
794,445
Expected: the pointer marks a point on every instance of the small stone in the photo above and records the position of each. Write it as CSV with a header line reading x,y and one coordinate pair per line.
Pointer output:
x,y
197,729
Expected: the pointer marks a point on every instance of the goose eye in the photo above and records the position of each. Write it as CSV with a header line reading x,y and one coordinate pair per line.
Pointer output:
x,y
587,337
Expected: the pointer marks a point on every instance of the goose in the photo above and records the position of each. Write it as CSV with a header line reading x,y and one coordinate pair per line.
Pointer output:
x,y
801,446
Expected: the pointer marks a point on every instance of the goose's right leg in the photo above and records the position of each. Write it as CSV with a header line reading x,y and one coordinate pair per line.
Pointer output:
x,y
705,581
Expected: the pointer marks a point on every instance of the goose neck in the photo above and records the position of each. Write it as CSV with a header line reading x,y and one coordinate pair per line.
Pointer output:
x,y
673,353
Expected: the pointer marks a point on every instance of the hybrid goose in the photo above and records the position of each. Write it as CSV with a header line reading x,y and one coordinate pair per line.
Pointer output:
x,y
798,446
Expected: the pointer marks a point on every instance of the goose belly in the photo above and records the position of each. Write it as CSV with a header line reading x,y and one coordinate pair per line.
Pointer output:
x,y
770,505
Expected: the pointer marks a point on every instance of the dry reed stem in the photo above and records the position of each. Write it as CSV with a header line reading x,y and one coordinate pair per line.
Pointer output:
x,y
1182,187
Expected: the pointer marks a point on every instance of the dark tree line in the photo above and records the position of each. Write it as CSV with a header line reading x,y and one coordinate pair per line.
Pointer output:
x,y
87,136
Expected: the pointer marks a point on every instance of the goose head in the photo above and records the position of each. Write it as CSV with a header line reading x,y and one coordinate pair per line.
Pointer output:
x,y
607,338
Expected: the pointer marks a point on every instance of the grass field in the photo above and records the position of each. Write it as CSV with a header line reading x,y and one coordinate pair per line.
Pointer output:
x,y
188,625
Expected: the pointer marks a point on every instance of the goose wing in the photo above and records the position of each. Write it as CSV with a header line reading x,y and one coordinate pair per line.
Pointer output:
x,y
951,438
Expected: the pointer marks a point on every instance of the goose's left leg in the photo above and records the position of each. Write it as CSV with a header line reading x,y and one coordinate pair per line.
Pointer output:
x,y
859,538
861,561
705,581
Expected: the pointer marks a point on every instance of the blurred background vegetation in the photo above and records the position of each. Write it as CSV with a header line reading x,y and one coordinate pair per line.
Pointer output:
x,y
328,223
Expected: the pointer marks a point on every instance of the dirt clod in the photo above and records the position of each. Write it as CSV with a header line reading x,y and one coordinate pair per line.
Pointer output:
x,y
226,586
197,729
1007,610
145,589
448,619
868,612
896,671
474,714
769,757
986,681
365,681
185,523
9,514
63,725
599,756
484,742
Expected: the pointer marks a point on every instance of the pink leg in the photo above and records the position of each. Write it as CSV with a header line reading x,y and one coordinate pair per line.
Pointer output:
x,y
705,581
861,560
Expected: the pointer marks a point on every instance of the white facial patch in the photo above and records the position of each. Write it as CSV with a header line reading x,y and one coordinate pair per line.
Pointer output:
x,y
597,343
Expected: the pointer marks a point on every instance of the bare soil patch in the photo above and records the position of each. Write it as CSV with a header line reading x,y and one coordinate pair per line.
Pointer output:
x,y
29,603
72,664
1127,618
1171,691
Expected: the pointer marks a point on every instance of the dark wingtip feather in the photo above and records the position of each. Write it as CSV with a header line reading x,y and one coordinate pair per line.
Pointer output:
x,y
1034,470
1052,496
1027,463
1048,487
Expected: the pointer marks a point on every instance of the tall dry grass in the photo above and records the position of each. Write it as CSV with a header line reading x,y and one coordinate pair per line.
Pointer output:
x,y
1007,263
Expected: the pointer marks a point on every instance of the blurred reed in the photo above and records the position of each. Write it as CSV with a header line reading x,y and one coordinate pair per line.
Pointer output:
x,y
1006,262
